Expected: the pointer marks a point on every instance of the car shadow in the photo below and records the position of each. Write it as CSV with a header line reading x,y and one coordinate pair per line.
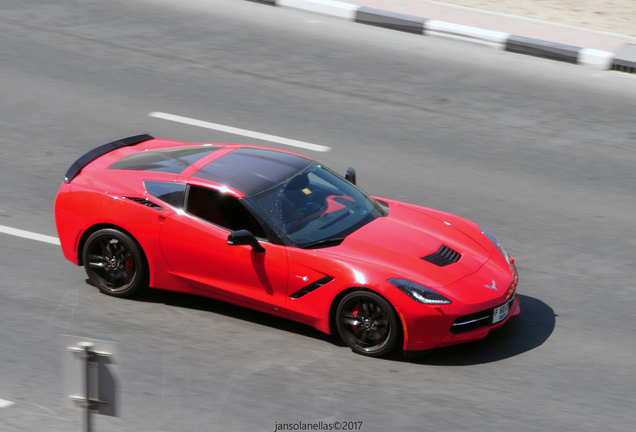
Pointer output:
x,y
526,332
191,301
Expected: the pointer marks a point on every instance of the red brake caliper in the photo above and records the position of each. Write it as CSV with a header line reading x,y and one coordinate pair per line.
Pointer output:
x,y
354,312
130,265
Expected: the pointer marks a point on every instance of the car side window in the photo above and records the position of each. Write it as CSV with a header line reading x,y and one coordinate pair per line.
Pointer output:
x,y
222,210
170,192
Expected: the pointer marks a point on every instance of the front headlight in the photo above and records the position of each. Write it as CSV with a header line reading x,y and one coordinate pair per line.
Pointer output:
x,y
496,243
419,292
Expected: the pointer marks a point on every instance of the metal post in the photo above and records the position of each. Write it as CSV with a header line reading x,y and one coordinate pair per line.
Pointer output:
x,y
88,354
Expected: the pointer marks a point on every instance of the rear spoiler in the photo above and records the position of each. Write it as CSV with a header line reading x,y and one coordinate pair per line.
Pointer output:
x,y
89,157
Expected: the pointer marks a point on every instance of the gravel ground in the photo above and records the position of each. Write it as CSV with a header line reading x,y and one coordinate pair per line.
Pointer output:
x,y
613,16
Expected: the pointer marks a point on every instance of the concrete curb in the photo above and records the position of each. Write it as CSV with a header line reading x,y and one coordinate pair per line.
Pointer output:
x,y
597,59
390,20
625,59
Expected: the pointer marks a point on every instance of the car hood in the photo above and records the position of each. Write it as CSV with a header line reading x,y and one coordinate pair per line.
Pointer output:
x,y
399,241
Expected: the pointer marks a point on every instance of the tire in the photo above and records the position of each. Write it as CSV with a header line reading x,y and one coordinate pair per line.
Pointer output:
x,y
367,324
115,263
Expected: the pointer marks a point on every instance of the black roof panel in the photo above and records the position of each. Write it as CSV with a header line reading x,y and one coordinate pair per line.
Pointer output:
x,y
251,170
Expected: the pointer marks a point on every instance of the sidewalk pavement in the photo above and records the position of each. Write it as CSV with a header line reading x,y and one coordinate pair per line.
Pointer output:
x,y
511,33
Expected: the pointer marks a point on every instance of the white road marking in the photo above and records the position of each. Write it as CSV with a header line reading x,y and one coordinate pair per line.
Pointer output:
x,y
237,131
5,403
29,235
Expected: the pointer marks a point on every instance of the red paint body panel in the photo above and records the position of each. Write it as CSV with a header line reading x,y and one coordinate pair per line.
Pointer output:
x,y
256,279
188,254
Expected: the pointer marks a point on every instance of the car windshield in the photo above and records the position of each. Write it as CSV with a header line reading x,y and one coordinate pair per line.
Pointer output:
x,y
314,208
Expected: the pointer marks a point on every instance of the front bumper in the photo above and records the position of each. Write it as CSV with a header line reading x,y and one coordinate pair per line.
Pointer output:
x,y
488,317
439,326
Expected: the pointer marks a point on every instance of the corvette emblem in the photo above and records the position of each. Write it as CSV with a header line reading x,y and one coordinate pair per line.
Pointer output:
x,y
493,286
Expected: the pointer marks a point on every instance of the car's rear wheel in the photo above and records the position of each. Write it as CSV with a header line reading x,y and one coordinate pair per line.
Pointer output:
x,y
367,323
115,263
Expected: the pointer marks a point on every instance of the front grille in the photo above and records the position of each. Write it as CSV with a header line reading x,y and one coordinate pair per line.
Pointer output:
x,y
471,322
443,257
146,202
477,320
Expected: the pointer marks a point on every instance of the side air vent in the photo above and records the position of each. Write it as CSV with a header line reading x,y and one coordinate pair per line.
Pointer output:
x,y
311,287
146,202
443,257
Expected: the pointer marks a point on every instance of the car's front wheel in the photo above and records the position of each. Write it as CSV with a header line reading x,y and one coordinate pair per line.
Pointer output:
x,y
115,263
367,323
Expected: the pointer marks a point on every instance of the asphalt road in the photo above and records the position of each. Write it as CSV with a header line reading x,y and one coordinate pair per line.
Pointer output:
x,y
541,153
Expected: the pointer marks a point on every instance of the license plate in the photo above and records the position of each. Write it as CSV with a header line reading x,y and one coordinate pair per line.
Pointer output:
x,y
501,312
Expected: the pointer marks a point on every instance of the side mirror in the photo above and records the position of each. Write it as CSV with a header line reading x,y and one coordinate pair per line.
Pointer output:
x,y
244,237
350,175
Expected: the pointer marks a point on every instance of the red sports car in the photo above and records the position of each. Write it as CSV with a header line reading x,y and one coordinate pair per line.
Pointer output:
x,y
278,232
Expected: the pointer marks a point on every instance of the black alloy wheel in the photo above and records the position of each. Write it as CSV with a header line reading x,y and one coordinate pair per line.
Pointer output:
x,y
367,324
115,263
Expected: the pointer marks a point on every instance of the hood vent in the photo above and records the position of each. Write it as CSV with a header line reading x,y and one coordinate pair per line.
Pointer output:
x,y
443,257
146,202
